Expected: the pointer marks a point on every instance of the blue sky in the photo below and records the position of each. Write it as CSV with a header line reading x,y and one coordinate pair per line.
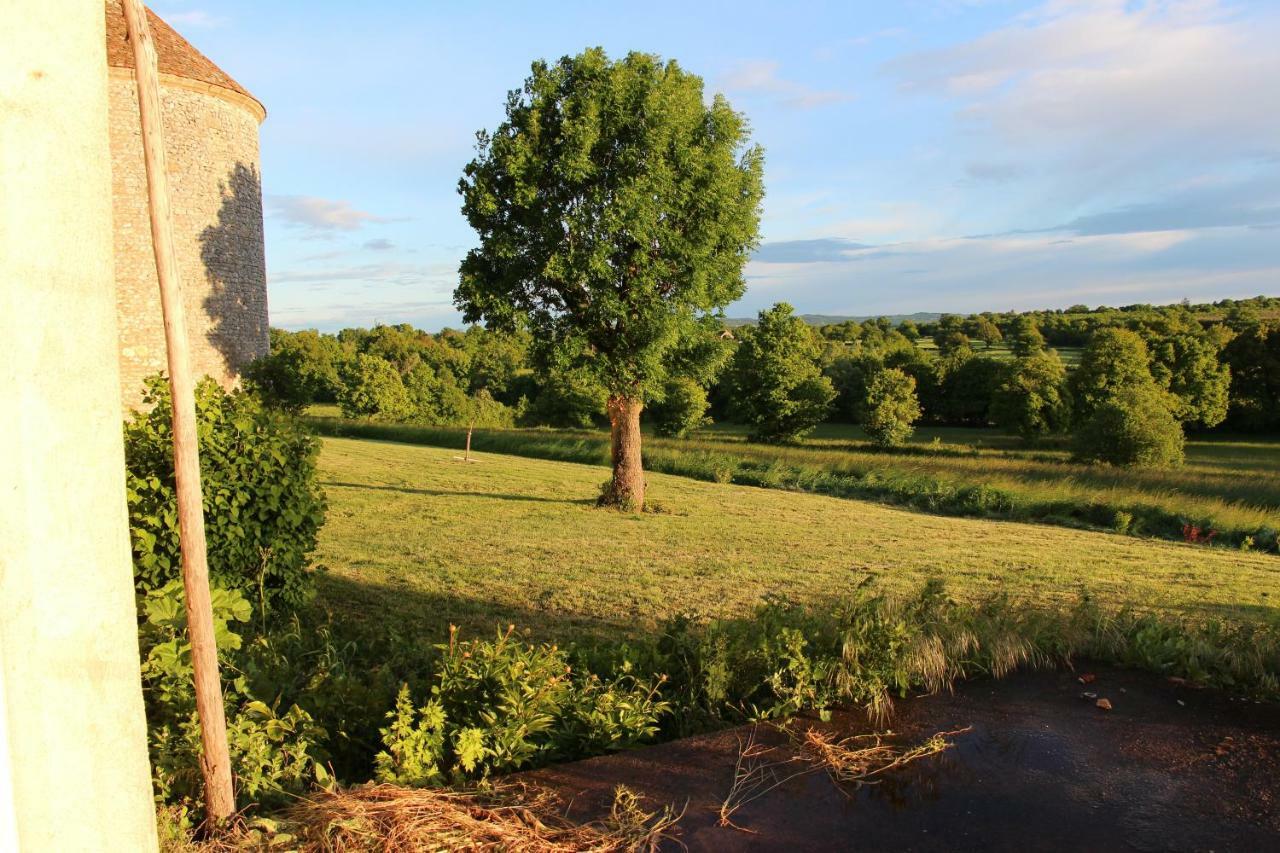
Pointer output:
x,y
920,156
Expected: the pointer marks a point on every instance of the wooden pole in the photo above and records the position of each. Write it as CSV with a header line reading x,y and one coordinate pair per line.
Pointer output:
x,y
216,763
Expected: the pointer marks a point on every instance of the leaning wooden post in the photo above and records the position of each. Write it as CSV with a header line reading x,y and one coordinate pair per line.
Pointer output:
x,y
216,763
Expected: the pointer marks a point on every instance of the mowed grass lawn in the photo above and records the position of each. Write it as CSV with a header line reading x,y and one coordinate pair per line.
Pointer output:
x,y
417,540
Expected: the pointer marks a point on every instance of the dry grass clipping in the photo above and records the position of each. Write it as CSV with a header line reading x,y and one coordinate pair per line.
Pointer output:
x,y
853,760
859,758
392,819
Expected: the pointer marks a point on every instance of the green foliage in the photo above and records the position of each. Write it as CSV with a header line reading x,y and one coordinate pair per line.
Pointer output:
x,y
1033,400
890,408
1187,365
965,385
1025,338
301,368
1253,357
1132,426
566,398
597,163
373,388
274,755
504,705
851,376
980,328
952,342
1115,359
435,396
262,505
778,386
682,409
415,743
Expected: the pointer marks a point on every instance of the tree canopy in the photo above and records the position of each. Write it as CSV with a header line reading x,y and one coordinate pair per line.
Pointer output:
x,y
616,210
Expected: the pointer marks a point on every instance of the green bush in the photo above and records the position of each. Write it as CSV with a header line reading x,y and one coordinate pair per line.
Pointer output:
x,y
274,755
682,409
890,408
1132,427
503,705
262,505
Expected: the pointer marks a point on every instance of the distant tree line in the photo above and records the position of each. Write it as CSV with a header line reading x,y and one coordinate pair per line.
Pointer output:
x,y
1145,375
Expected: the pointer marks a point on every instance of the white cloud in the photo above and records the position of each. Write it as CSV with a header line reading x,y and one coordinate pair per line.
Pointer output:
x,y
384,273
1123,92
1020,271
319,214
760,77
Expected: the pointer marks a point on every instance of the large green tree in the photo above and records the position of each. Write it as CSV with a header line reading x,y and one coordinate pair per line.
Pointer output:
x,y
776,380
616,209
1033,400
891,408
1114,359
1188,365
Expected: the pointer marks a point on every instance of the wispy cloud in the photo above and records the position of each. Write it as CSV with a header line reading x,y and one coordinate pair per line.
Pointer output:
x,y
1021,271
821,250
1115,92
380,244
380,273
760,77
330,316
319,214
992,172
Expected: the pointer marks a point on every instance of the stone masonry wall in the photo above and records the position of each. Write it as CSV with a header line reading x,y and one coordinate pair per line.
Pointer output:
x,y
211,144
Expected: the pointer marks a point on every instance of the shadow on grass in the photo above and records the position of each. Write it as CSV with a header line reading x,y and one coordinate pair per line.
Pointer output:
x,y
380,611
444,493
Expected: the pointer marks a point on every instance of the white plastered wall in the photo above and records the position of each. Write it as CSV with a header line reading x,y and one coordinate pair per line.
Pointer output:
x,y
73,757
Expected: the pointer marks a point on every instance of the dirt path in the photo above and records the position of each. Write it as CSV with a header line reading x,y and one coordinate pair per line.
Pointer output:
x,y
1169,768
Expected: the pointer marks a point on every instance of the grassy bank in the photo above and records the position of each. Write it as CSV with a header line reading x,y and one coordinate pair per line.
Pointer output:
x,y
418,540
1230,487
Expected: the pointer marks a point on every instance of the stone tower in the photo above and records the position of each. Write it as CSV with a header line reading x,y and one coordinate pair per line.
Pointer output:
x,y
211,143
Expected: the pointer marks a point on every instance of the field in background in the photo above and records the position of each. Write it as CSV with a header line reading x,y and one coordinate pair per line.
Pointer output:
x,y
1231,485
418,540
1001,352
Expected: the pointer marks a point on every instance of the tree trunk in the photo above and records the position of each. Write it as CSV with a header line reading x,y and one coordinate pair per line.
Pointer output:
x,y
627,488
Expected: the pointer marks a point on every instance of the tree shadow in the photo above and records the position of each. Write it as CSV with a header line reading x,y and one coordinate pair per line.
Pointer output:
x,y
234,262
364,609
444,493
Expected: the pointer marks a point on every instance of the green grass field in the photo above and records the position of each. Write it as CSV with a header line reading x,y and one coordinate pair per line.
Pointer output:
x,y
1231,485
1001,352
418,540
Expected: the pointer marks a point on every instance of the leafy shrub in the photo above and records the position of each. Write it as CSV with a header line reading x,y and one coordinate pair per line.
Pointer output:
x,y
890,408
682,409
273,754
502,705
1131,427
262,505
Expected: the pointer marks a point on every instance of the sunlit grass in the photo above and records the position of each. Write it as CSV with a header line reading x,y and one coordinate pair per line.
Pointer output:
x,y
1230,485
418,540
